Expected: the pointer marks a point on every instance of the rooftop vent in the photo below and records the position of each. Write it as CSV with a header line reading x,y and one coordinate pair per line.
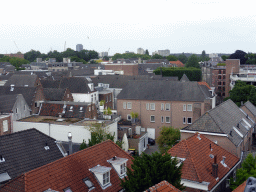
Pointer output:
x,y
46,147
230,133
12,87
237,125
198,136
2,159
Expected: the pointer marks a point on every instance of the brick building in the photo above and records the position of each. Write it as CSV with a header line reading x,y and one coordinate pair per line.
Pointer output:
x,y
5,124
19,55
127,68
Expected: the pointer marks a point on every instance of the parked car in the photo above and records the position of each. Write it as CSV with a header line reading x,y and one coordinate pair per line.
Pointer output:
x,y
151,141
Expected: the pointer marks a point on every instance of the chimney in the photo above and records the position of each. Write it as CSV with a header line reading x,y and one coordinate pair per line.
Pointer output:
x,y
223,161
70,143
215,167
198,136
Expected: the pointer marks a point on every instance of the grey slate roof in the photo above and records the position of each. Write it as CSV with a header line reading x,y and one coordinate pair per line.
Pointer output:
x,y
27,92
7,102
250,107
24,151
21,80
164,90
222,119
74,84
184,78
54,94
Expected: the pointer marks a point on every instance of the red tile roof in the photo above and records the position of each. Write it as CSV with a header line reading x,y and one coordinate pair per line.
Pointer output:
x,y
177,63
163,186
241,187
71,170
198,163
204,83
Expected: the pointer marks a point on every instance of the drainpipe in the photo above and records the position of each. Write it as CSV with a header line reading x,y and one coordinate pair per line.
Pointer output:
x,y
70,143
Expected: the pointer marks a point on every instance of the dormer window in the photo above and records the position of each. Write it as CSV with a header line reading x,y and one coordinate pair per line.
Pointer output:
x,y
102,174
119,165
106,178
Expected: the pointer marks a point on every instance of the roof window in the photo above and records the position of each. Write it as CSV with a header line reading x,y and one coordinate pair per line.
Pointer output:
x,y
88,183
119,165
4,177
67,190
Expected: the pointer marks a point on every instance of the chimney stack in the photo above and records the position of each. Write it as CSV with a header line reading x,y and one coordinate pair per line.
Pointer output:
x,y
70,143
215,167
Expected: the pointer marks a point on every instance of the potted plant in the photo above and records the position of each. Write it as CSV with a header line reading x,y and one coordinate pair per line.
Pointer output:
x,y
133,117
107,113
102,102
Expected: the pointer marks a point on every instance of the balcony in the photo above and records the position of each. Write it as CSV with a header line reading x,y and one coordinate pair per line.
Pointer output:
x,y
243,77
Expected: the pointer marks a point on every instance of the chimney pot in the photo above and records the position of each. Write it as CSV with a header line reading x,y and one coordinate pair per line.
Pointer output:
x,y
70,143
215,167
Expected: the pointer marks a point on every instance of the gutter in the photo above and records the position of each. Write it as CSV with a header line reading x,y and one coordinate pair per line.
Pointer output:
x,y
204,133
238,163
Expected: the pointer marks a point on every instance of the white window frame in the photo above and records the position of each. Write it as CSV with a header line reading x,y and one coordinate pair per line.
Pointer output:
x,y
5,125
188,107
184,120
166,119
162,119
129,103
234,175
191,120
129,119
227,183
184,107
162,106
166,107
106,180
124,105
152,108
122,169
151,119
147,106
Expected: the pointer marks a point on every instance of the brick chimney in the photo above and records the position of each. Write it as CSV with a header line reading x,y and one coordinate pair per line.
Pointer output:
x,y
215,167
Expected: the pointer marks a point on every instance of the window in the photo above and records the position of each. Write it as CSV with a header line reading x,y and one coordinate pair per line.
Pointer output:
x,y
152,118
92,107
91,98
129,105
234,175
189,107
184,107
223,88
109,97
162,119
224,76
89,108
189,120
24,107
122,169
152,106
67,95
106,179
167,107
219,77
162,106
147,106
124,105
227,183
16,110
67,190
88,183
5,125
167,119
95,97
184,120
223,83
219,83
107,100
129,117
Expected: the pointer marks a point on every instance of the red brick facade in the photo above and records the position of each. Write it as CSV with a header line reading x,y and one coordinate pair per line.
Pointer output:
x,y
108,98
15,55
5,120
67,96
129,68
232,66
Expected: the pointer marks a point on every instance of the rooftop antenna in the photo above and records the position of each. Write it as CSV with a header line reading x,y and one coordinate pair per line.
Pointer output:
x,y
16,46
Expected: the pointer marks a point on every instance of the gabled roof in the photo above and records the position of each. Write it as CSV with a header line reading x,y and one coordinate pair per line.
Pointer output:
x,y
177,63
163,186
184,78
71,170
74,84
27,92
7,103
164,90
250,107
68,110
24,151
197,165
241,187
21,80
223,119
54,94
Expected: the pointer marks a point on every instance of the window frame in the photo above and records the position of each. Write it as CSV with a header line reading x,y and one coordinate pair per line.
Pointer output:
x,y
162,119
122,169
128,115
147,106
191,107
184,107
128,105
184,120
90,188
162,106
106,178
5,122
151,119
124,105
166,107
166,119
152,104
191,120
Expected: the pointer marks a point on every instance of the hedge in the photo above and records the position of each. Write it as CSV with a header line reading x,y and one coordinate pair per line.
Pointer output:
x,y
193,74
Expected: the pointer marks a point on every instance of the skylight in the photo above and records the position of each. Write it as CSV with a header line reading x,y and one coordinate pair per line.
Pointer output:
x,y
68,189
88,183
238,132
4,177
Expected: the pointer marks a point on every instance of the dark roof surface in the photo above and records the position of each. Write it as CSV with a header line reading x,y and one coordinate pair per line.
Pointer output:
x,y
24,151
7,103
54,94
27,92
21,80
223,119
71,170
250,107
164,90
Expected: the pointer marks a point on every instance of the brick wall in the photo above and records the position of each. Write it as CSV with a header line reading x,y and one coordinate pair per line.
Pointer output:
x,y
91,111
15,55
108,98
232,65
39,96
2,119
67,96
129,69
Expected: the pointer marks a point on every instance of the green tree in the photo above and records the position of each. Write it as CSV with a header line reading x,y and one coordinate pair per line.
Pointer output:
x,y
168,137
183,58
193,61
32,55
156,56
172,58
240,92
149,170
252,96
224,57
251,58
146,52
83,145
1,56
203,56
247,170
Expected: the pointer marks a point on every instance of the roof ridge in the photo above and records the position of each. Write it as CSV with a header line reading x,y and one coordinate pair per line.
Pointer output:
x,y
200,180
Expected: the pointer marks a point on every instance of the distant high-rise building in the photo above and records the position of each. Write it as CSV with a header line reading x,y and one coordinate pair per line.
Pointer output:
x,y
103,54
164,53
79,47
140,51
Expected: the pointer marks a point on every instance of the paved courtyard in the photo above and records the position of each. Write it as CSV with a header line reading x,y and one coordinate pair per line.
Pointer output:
x,y
152,149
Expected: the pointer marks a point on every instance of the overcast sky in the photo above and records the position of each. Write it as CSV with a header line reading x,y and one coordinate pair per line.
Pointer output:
x,y
119,26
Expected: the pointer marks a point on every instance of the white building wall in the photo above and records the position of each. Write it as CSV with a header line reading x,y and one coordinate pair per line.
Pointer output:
x,y
81,97
112,128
